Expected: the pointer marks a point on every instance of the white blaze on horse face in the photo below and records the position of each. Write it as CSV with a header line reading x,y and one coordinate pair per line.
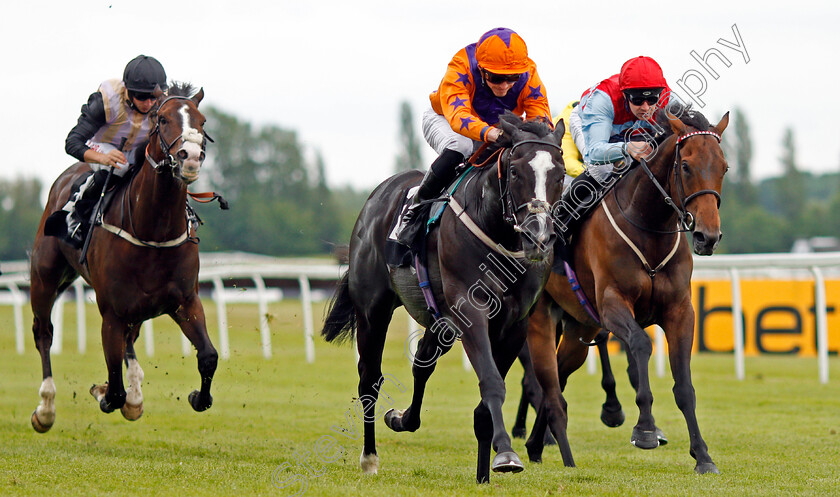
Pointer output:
x,y
191,144
542,164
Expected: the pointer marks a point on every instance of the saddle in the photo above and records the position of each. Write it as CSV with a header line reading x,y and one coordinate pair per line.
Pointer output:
x,y
398,255
56,223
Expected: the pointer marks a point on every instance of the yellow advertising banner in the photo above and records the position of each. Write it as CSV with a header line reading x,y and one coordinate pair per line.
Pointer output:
x,y
778,317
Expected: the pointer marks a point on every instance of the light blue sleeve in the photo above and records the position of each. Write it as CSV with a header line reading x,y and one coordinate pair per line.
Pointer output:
x,y
597,124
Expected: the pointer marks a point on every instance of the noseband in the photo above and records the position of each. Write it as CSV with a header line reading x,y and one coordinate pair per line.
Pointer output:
x,y
169,160
534,206
685,217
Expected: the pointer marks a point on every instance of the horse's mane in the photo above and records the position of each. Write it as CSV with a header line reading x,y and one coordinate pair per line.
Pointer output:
x,y
180,89
687,115
537,127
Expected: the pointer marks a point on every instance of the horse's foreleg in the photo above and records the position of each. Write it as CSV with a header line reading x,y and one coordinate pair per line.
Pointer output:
x,y
370,341
491,363
618,318
611,413
680,336
436,342
552,413
44,415
190,317
111,395
133,408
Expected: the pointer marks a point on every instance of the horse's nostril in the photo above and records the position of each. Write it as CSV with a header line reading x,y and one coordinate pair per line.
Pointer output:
x,y
201,156
182,154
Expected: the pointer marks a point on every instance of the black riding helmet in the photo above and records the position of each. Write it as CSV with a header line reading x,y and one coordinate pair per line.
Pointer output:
x,y
143,73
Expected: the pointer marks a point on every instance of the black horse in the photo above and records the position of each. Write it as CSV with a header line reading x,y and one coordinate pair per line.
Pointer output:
x,y
487,264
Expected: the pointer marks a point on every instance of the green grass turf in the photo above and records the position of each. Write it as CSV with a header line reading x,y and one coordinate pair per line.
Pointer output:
x,y
776,433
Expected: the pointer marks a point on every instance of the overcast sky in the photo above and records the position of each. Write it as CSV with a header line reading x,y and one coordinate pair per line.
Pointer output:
x,y
337,71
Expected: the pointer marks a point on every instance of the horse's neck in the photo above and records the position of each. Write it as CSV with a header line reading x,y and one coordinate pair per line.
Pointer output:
x,y
482,201
156,202
641,199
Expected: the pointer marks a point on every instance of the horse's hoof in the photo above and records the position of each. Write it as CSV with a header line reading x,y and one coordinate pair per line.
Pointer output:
x,y
661,437
612,418
393,419
549,439
130,412
507,462
38,425
644,439
518,432
369,463
534,453
705,468
195,401
99,391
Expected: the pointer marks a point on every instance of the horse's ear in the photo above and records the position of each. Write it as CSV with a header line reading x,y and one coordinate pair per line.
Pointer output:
x,y
721,126
510,131
677,126
559,131
198,96
157,92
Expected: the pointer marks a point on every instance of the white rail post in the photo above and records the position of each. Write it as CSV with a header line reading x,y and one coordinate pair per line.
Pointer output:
x,y
308,326
659,337
58,324
737,323
18,299
81,316
262,308
413,332
149,337
591,360
221,314
822,323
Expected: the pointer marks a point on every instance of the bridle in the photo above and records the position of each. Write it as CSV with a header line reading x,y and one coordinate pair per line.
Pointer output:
x,y
534,206
169,160
686,220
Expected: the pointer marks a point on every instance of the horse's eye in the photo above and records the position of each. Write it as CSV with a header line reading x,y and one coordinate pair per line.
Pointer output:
x,y
162,120
513,173
685,167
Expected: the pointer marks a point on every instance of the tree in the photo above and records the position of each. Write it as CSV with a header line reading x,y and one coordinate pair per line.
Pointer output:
x,y
738,146
790,192
409,156
20,213
280,204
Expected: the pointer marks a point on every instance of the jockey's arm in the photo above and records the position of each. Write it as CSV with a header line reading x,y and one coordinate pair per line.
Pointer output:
x,y
91,119
597,117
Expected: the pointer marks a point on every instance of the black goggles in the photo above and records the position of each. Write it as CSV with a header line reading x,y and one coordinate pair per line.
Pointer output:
x,y
498,79
638,98
142,97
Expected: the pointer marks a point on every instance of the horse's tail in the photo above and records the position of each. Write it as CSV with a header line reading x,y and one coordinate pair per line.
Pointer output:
x,y
340,323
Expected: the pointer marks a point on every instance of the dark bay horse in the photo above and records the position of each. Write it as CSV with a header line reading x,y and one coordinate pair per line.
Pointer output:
x,y
634,265
142,261
487,264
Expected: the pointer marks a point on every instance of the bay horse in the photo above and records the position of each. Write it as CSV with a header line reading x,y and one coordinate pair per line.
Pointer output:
x,y
487,264
637,225
142,263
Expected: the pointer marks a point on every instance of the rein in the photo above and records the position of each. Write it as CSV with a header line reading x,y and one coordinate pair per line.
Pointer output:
x,y
508,209
686,220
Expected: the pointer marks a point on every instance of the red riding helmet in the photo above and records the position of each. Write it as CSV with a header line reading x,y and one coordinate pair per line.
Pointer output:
x,y
502,51
641,72
143,73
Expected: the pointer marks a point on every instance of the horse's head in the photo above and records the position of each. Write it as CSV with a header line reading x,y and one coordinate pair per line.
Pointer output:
x,y
699,166
531,174
180,135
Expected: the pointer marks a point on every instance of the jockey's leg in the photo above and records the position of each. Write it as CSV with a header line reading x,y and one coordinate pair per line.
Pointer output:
x,y
438,177
79,205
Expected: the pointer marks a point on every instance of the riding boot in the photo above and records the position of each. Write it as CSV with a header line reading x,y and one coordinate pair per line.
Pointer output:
x,y
80,207
438,177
